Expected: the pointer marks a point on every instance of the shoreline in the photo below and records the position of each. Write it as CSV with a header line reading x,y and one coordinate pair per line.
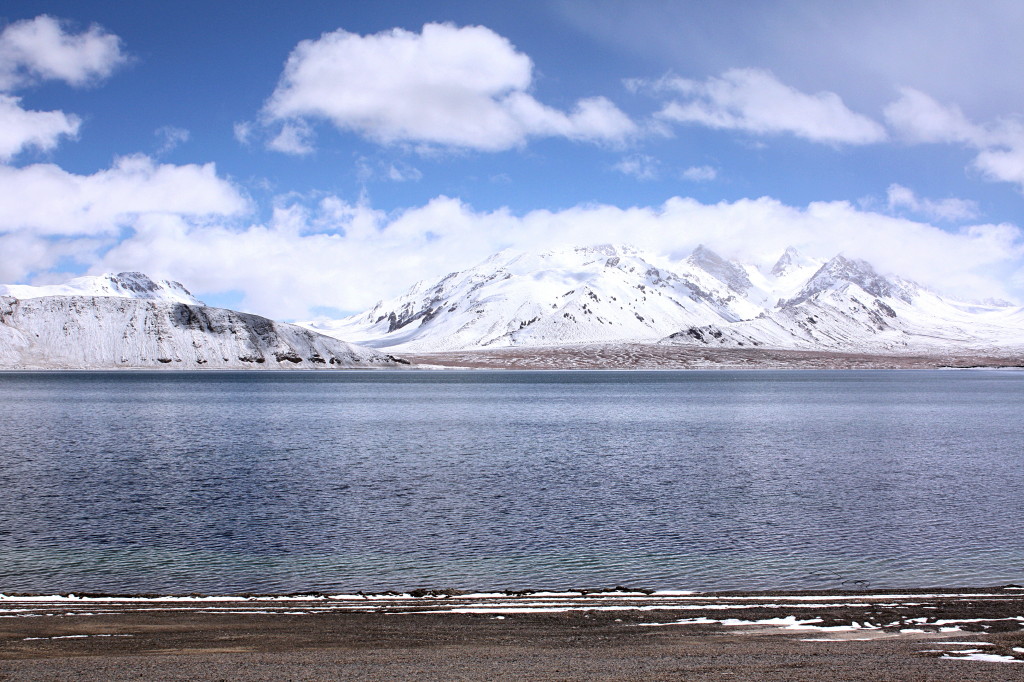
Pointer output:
x,y
647,356
625,356
448,593
938,634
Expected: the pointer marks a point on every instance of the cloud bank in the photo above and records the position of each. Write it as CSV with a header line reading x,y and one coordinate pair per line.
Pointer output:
x,y
334,254
45,199
464,87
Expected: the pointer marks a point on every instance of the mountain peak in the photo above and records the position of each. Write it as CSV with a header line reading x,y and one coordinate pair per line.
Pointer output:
x,y
787,261
140,285
118,285
840,271
703,254
721,269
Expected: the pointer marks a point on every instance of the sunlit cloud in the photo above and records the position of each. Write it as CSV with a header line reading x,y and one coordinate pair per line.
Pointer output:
x,y
45,199
463,87
41,49
21,129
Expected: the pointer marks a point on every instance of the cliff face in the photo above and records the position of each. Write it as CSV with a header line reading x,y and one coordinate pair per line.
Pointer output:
x,y
103,332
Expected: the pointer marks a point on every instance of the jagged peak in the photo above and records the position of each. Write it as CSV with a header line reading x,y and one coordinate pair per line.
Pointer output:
x,y
841,270
721,269
841,265
789,258
703,253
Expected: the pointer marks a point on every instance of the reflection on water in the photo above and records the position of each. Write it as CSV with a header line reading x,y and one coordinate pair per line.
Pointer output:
x,y
258,482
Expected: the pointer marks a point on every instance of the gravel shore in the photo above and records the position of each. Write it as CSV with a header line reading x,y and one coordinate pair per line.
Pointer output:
x,y
616,635
670,356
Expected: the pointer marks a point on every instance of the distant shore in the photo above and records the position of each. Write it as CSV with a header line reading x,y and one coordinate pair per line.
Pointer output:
x,y
623,356
643,356
940,634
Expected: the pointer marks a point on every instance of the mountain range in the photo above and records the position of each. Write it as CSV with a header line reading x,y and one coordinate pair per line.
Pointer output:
x,y
618,294
599,297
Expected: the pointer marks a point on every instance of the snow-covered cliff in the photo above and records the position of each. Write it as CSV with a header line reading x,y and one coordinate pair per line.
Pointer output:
x,y
131,321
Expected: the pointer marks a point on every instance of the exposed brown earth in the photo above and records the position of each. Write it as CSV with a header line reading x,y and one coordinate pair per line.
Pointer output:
x,y
665,356
605,636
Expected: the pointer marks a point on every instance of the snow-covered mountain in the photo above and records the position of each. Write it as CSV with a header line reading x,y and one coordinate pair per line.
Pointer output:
x,y
122,285
612,294
128,320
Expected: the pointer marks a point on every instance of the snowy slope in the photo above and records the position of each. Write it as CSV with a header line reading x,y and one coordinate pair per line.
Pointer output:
x,y
103,332
577,295
846,305
121,285
612,294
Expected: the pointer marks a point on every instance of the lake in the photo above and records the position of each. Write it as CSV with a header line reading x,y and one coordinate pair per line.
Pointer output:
x,y
274,482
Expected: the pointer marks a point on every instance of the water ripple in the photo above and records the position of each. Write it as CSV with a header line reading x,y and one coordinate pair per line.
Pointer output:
x,y
249,482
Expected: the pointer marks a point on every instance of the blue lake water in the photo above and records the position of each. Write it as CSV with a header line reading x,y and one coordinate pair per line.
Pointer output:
x,y
283,482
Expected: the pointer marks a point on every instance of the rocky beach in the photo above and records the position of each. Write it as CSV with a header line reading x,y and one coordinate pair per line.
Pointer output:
x,y
616,634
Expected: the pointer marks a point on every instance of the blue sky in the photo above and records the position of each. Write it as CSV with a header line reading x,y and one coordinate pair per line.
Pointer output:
x,y
300,159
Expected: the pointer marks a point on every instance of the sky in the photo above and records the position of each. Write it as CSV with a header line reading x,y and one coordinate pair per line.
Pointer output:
x,y
309,159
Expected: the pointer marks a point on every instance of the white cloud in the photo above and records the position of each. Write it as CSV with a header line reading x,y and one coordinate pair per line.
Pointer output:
x,y
755,101
951,209
243,131
368,170
21,129
26,253
700,174
1000,144
171,137
640,166
341,255
294,138
1003,165
920,119
41,49
45,199
463,87
403,172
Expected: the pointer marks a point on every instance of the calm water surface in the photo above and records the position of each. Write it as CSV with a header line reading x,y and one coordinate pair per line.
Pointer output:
x,y
281,482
